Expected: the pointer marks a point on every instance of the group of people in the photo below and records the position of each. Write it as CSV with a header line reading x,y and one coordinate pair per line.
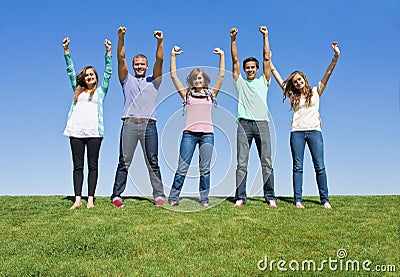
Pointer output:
x,y
85,126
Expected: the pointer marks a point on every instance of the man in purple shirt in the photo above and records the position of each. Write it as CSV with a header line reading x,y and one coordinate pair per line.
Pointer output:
x,y
139,117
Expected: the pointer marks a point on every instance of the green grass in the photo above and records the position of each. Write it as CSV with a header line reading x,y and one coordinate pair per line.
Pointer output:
x,y
40,236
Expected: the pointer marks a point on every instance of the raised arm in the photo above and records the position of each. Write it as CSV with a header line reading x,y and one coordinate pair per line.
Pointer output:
x,y
65,44
331,66
122,64
70,65
221,73
107,44
157,68
266,54
108,69
177,83
234,54
276,74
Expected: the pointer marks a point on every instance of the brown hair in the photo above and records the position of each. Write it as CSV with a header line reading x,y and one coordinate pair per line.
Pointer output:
x,y
250,59
81,85
193,74
139,56
192,91
294,94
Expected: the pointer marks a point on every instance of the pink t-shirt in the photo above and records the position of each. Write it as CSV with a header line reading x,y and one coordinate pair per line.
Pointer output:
x,y
198,115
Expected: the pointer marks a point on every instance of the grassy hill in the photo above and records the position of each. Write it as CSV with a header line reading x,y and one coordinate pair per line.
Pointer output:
x,y
40,236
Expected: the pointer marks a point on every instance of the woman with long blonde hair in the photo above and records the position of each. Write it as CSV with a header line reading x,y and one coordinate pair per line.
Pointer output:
x,y
306,127
85,125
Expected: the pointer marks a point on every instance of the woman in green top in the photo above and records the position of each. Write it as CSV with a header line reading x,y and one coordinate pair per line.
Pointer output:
x,y
85,121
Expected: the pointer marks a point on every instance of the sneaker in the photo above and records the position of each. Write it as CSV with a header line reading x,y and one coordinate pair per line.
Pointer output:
x,y
205,204
117,201
327,205
159,201
299,205
239,203
272,204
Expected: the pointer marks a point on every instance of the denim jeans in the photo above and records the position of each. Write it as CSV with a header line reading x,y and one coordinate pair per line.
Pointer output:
x,y
187,148
314,140
146,134
248,130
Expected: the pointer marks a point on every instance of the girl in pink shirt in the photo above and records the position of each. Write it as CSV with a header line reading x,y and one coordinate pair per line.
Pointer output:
x,y
198,99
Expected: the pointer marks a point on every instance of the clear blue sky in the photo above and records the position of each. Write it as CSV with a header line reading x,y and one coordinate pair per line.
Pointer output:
x,y
360,108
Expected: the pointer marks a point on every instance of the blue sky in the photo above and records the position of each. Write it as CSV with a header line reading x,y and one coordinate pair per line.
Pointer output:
x,y
360,108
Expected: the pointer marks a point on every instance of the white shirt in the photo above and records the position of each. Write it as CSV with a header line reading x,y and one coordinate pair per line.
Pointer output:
x,y
307,118
83,122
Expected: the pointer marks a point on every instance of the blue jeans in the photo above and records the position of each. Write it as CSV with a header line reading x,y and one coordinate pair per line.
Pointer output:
x,y
131,133
187,148
314,140
248,130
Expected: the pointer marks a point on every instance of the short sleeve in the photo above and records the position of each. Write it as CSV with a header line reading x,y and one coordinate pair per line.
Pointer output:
x,y
238,83
266,83
126,80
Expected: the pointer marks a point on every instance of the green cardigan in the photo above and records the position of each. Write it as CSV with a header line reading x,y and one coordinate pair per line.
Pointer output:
x,y
101,90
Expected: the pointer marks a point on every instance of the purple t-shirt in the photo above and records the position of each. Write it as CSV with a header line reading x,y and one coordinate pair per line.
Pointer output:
x,y
140,97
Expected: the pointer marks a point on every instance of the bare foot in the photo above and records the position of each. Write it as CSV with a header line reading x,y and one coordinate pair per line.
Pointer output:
x,y
272,204
299,205
90,202
76,205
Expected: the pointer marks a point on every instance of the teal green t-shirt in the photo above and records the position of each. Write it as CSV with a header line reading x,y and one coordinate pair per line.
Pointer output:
x,y
252,94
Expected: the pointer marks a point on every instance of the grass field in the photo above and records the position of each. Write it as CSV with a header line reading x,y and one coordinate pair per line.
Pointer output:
x,y
40,236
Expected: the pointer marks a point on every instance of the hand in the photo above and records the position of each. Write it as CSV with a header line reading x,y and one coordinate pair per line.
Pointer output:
x,y
121,31
218,51
234,32
107,43
176,50
158,34
65,43
264,30
336,48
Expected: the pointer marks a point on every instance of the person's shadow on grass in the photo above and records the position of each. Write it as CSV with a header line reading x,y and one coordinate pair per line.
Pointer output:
x,y
290,200
85,198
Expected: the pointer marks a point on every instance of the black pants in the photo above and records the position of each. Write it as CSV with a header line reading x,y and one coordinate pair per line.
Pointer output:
x,y
78,152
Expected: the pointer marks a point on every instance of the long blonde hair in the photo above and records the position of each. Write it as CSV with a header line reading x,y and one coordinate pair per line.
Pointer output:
x,y
81,84
294,94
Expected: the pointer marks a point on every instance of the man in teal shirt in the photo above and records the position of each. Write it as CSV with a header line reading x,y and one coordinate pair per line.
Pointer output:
x,y
253,121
